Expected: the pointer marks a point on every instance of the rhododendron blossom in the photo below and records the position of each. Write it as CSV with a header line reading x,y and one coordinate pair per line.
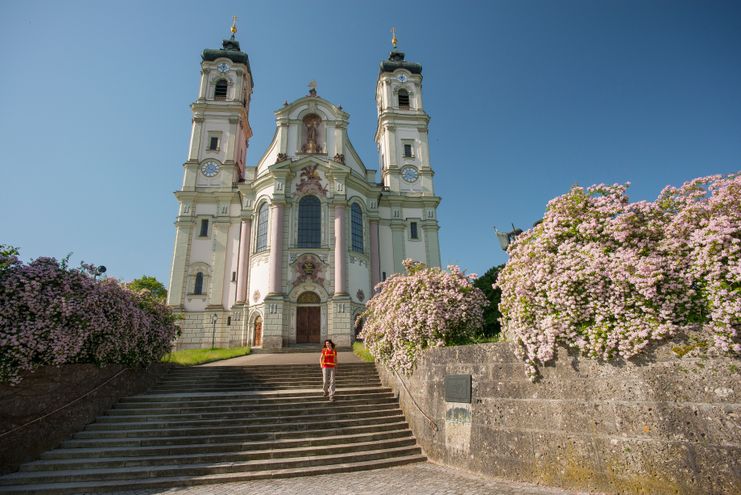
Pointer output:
x,y
52,315
428,307
608,277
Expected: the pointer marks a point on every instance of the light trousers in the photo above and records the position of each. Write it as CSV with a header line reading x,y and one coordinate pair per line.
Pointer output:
x,y
328,381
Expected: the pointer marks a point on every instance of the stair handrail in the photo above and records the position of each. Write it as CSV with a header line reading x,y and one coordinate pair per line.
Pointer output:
x,y
431,421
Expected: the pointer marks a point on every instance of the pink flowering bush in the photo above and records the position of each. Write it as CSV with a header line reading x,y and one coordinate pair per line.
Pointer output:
x,y
608,277
428,307
53,315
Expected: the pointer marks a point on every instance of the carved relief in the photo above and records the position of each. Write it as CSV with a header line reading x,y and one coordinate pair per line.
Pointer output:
x,y
311,183
256,296
360,295
308,268
339,158
281,157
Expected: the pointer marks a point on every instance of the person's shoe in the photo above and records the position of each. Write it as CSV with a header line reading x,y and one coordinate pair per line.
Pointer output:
x,y
331,399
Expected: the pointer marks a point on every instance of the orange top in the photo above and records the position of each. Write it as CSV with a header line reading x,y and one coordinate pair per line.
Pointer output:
x,y
329,358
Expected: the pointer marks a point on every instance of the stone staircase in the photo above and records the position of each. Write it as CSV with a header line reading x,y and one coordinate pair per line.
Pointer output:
x,y
221,424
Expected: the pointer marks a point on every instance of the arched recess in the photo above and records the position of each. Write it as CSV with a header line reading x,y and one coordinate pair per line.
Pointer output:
x,y
308,318
199,278
256,320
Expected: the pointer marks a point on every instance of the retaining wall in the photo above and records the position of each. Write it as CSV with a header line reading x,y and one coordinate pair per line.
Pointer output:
x,y
660,425
58,395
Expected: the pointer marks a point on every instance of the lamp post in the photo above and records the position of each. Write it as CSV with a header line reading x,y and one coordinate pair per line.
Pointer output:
x,y
506,238
100,270
214,319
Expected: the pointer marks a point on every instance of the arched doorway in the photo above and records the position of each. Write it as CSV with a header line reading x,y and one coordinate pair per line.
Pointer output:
x,y
308,318
257,341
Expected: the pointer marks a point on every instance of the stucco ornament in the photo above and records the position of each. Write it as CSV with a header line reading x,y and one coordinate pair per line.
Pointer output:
x,y
310,182
308,268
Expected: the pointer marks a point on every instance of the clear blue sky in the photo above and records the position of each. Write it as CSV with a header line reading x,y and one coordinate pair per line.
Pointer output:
x,y
527,98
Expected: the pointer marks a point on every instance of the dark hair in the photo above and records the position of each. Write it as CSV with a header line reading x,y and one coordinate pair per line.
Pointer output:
x,y
328,340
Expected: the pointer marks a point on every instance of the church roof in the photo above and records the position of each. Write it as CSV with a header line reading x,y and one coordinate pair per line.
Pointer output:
x,y
230,49
396,61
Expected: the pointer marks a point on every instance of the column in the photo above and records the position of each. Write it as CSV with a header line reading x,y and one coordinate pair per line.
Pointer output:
x,y
244,260
375,264
276,250
340,250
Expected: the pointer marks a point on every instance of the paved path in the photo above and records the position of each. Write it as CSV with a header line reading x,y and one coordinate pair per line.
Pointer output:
x,y
284,358
413,479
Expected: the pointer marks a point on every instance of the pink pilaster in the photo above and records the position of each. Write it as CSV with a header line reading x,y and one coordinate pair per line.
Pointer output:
x,y
340,250
276,250
244,260
375,261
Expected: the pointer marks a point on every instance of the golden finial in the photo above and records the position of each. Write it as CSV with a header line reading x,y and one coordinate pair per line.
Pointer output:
x,y
234,25
393,37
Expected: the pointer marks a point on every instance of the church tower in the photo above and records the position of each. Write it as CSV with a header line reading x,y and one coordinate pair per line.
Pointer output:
x,y
203,275
404,154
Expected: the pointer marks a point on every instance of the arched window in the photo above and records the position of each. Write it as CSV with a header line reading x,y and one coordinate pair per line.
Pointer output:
x,y
403,99
308,298
356,222
198,288
220,90
262,228
309,222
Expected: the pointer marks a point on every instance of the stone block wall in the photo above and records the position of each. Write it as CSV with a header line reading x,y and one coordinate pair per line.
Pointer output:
x,y
659,425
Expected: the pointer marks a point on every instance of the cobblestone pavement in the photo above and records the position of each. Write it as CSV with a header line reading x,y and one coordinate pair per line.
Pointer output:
x,y
413,479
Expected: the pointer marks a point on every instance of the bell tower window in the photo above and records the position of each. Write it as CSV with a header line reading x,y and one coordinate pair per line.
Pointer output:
x,y
220,90
403,99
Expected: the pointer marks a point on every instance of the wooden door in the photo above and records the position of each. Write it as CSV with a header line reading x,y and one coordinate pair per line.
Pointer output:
x,y
308,325
258,332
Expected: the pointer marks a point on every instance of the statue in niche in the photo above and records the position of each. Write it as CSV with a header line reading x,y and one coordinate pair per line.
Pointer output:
x,y
311,126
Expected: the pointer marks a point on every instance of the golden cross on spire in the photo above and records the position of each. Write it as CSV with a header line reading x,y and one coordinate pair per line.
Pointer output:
x,y
234,25
393,37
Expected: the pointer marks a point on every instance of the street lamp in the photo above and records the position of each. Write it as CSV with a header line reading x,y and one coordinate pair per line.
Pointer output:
x,y
506,238
100,270
214,319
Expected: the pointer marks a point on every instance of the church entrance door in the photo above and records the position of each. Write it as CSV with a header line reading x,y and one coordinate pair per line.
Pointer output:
x,y
258,332
307,325
308,319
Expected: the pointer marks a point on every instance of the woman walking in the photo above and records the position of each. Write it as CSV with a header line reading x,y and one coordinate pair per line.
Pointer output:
x,y
328,362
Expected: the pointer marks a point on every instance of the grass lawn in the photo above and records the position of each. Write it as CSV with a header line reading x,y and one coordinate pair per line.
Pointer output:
x,y
358,348
190,357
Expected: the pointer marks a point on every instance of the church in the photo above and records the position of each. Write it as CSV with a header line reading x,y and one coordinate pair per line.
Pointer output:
x,y
288,251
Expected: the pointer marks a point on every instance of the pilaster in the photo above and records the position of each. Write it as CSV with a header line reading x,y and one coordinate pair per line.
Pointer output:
x,y
183,232
218,262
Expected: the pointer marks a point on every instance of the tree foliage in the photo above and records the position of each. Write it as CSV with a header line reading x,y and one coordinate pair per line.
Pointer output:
x,y
428,307
149,285
608,277
491,326
51,314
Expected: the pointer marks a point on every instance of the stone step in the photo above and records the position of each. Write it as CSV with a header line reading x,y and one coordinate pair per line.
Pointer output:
x,y
227,446
286,411
276,418
319,431
207,406
251,386
213,397
200,457
200,469
269,368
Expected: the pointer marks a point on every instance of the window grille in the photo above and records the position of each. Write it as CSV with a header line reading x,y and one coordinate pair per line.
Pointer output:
x,y
403,99
220,90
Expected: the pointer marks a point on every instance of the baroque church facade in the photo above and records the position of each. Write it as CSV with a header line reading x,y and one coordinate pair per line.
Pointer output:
x,y
288,251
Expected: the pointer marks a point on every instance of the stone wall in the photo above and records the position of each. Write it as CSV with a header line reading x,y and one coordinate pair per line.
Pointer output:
x,y
58,395
661,425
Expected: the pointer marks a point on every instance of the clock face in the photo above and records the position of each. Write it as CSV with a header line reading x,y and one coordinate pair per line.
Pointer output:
x,y
210,169
223,67
409,174
401,78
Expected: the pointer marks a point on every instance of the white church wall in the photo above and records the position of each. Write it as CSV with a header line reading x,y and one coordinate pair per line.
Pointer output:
x,y
259,273
386,249
359,278
415,248
201,250
206,209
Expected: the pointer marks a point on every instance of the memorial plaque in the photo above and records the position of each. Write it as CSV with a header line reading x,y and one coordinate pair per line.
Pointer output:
x,y
458,388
